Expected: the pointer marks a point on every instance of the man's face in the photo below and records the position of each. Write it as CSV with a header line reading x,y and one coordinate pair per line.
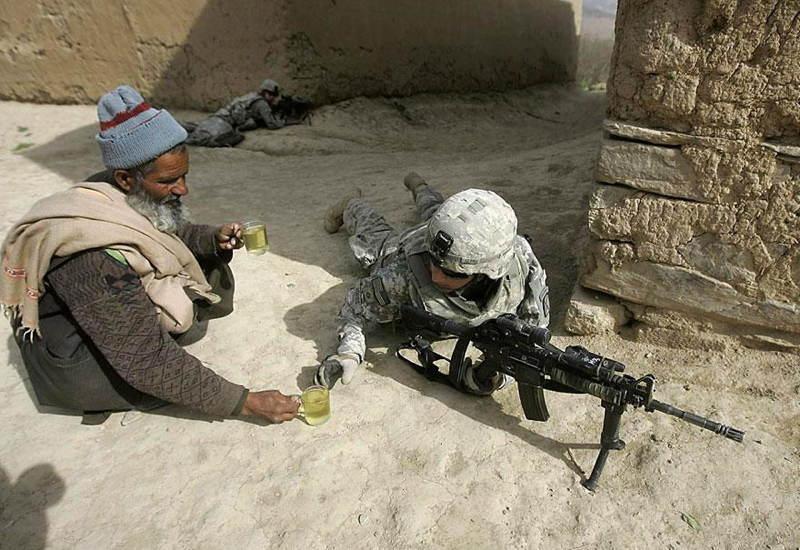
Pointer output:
x,y
166,182
156,194
448,281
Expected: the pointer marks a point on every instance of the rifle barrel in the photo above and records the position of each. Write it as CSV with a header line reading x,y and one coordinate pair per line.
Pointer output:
x,y
701,421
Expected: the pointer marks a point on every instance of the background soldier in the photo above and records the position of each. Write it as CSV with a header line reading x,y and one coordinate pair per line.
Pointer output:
x,y
265,108
464,262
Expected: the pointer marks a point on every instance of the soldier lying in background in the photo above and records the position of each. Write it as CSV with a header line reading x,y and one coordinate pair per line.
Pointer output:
x,y
464,262
266,108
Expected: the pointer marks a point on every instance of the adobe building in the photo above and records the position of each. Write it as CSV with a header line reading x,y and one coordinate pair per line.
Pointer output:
x,y
694,227
199,53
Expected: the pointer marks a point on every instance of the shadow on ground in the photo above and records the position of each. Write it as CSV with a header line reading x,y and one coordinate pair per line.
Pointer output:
x,y
24,503
73,155
486,410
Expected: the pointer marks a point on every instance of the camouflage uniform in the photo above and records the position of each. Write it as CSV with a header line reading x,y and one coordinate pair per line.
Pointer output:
x,y
398,274
249,111
244,113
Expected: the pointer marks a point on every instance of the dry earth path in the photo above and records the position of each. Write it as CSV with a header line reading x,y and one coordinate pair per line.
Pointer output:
x,y
402,463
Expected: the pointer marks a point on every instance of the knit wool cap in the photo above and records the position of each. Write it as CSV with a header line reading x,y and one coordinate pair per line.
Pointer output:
x,y
269,86
132,132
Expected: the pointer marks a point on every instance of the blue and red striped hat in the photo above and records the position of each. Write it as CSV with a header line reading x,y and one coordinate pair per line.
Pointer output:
x,y
132,132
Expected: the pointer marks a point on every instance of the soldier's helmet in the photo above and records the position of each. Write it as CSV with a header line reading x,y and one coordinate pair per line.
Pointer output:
x,y
473,232
270,86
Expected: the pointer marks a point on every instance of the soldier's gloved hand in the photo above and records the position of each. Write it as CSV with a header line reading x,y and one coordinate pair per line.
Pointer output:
x,y
342,365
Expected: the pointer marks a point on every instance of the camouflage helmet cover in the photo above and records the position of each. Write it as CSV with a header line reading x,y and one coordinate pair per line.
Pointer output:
x,y
473,232
269,85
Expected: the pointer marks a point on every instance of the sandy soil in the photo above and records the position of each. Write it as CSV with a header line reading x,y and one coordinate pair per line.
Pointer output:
x,y
403,463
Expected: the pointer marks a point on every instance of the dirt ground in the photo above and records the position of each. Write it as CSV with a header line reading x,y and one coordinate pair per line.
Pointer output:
x,y
403,463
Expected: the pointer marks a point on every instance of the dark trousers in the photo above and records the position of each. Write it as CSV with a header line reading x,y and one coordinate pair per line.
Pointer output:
x,y
85,382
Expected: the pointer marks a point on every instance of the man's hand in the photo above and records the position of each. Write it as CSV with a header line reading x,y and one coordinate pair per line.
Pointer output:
x,y
229,236
334,366
272,405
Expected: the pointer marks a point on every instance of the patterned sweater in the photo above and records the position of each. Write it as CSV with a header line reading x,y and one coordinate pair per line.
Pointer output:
x,y
107,302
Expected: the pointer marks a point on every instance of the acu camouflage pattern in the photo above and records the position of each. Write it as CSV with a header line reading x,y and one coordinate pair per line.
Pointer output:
x,y
483,227
243,113
397,275
249,111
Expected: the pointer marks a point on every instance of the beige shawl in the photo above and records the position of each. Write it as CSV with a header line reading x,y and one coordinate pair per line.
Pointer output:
x,y
95,215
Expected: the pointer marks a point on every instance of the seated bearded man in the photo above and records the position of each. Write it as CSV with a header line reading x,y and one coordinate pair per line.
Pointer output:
x,y
104,280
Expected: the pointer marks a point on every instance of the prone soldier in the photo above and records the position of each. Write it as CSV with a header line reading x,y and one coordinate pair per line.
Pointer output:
x,y
464,261
266,108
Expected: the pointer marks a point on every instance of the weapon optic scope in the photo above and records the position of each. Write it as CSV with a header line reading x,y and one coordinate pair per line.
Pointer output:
x,y
528,333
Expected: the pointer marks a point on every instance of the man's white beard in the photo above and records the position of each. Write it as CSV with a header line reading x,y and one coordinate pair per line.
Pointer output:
x,y
168,215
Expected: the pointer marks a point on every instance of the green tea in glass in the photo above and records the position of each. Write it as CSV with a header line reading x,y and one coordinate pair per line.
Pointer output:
x,y
315,405
255,237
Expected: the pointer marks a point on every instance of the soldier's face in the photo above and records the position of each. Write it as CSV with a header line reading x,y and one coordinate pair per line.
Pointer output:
x,y
446,283
271,97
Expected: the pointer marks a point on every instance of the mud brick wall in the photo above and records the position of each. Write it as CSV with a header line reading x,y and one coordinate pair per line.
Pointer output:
x,y
694,225
198,53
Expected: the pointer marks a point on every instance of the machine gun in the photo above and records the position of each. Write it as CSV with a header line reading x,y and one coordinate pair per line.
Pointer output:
x,y
517,349
294,109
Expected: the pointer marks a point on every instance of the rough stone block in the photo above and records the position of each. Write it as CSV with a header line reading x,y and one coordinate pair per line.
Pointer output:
x,y
653,168
707,68
685,289
705,126
591,312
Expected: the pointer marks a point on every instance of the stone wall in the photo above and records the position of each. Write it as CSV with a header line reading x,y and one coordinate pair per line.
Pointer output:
x,y
694,225
197,53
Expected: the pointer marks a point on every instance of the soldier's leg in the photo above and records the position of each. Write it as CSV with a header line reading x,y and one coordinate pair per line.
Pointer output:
x,y
214,132
426,197
428,201
368,229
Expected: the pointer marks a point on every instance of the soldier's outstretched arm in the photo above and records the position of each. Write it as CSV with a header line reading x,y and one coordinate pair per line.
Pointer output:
x,y
372,300
270,118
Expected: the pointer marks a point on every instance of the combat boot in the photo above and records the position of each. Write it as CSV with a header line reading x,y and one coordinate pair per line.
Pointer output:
x,y
334,215
413,182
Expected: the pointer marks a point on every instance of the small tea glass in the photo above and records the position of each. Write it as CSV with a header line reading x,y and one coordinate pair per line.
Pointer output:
x,y
254,234
315,405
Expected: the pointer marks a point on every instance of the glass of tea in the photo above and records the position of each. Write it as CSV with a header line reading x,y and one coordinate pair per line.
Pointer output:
x,y
315,405
254,234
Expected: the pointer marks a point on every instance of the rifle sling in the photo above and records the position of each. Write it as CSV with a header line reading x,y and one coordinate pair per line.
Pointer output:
x,y
428,357
428,369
